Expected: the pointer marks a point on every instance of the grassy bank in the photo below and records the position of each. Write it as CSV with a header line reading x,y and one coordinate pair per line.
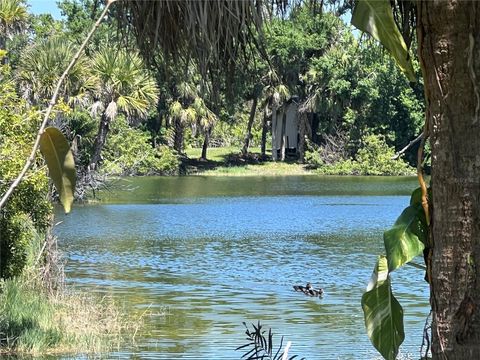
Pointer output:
x,y
375,160
218,155
33,322
226,161
262,169
37,321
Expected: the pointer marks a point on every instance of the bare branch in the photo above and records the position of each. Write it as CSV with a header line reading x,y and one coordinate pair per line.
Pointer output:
x,y
410,144
52,102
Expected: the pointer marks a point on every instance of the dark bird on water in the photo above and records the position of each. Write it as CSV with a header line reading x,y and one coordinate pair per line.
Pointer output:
x,y
308,290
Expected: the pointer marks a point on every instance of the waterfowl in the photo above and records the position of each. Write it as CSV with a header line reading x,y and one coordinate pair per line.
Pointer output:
x,y
308,290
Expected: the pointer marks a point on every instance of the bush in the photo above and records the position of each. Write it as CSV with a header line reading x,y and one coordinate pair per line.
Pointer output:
x,y
167,161
312,156
18,232
373,158
128,152
28,207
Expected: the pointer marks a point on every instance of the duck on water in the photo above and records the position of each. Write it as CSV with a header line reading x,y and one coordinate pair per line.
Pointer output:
x,y
308,290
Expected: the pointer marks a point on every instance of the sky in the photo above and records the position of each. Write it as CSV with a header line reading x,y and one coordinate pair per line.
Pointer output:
x,y
44,6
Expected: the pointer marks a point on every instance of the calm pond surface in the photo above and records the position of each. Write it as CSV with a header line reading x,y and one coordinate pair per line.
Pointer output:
x,y
200,255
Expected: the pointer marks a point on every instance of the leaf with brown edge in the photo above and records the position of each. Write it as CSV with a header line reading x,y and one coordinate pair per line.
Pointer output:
x,y
61,165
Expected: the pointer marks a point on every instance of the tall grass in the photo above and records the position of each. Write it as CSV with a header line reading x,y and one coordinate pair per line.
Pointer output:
x,y
35,320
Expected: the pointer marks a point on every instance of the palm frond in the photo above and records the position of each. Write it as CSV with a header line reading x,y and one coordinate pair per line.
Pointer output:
x,y
260,346
210,31
13,17
175,109
122,79
42,64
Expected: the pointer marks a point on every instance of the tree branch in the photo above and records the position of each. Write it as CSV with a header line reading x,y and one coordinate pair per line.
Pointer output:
x,y
410,144
52,102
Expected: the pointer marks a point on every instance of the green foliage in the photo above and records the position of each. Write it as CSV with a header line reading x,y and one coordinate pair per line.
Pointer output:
x,y
25,319
18,232
376,18
61,166
35,322
13,18
44,26
313,156
294,42
407,238
373,158
123,83
79,16
129,152
29,203
383,314
82,128
41,66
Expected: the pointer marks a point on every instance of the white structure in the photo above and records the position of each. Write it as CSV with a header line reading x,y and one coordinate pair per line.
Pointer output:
x,y
284,130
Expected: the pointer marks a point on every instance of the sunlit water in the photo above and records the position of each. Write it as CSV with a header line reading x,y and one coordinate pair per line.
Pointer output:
x,y
200,255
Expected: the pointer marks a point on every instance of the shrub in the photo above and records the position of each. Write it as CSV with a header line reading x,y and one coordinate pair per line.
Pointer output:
x,y
129,152
373,158
28,207
312,157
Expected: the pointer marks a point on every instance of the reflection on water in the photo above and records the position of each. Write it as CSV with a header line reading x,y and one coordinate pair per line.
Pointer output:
x,y
205,254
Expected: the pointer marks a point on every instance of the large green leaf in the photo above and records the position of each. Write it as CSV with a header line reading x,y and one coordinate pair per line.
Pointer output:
x,y
407,238
416,198
383,314
61,166
376,18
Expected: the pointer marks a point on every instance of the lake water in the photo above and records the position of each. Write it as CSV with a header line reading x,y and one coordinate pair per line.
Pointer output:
x,y
200,255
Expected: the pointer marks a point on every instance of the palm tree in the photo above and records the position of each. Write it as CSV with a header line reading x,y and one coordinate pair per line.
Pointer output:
x,y
181,110
254,97
13,18
123,85
206,120
42,65
181,116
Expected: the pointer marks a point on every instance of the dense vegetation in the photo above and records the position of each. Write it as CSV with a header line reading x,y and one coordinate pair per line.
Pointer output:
x,y
36,316
349,92
125,116
350,116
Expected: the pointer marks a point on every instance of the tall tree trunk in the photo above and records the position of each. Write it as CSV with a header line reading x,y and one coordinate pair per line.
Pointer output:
x,y
206,140
263,143
251,118
103,129
283,138
449,48
156,130
178,135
